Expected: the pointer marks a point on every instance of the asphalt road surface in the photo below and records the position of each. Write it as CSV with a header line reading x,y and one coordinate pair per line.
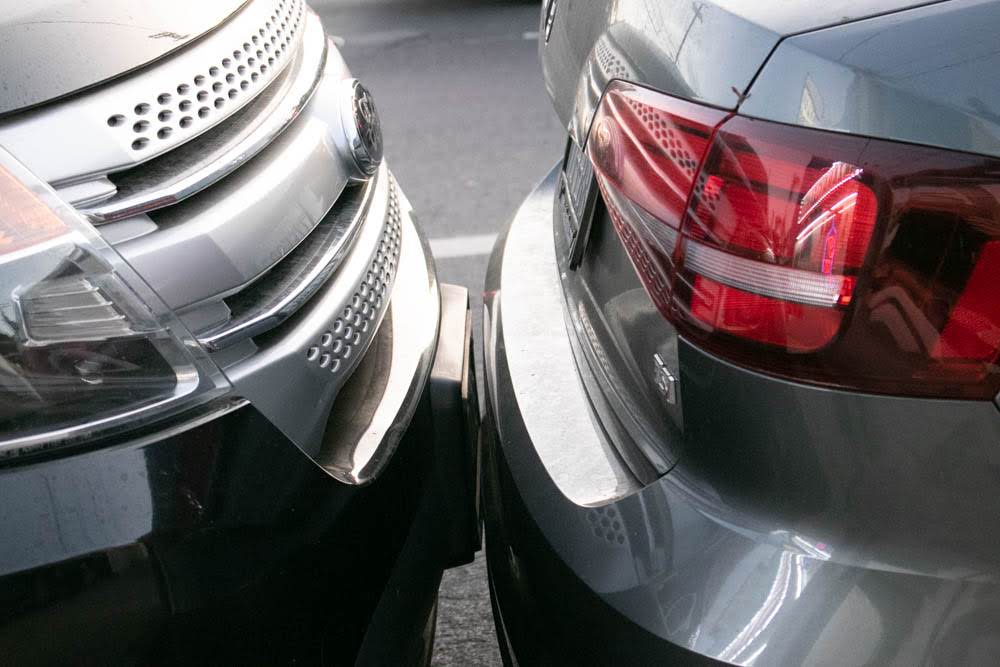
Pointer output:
x,y
469,130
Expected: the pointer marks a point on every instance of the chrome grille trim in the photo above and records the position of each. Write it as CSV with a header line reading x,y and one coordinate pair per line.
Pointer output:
x,y
316,269
280,106
93,133
340,347
284,377
230,234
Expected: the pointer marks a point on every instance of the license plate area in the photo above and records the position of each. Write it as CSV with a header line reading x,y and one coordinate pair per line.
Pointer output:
x,y
578,194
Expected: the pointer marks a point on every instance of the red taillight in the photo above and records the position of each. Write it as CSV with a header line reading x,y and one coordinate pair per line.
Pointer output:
x,y
646,150
815,256
786,220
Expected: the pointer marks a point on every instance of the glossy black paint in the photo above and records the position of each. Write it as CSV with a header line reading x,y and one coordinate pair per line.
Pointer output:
x,y
219,543
52,48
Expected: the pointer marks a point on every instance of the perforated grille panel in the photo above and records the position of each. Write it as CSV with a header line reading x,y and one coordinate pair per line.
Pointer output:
x,y
351,331
224,83
611,65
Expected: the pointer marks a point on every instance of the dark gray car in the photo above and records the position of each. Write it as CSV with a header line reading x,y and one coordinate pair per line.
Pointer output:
x,y
741,344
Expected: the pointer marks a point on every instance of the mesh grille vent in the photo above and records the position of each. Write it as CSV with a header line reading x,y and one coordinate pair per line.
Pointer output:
x,y
610,63
356,323
221,86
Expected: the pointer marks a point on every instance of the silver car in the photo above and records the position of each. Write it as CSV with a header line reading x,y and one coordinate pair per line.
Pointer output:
x,y
236,405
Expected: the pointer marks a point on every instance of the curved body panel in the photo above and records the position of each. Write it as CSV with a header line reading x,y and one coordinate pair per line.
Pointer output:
x,y
704,51
925,76
54,48
800,523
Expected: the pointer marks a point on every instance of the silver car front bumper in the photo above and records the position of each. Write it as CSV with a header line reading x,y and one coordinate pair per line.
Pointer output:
x,y
384,289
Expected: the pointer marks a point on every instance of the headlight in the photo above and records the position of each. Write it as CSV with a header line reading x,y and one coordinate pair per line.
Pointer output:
x,y
86,347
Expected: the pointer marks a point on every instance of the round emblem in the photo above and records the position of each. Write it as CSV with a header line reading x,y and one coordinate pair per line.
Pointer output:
x,y
363,127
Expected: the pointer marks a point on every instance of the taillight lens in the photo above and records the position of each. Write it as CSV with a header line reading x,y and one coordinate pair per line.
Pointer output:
x,y
775,235
646,150
819,257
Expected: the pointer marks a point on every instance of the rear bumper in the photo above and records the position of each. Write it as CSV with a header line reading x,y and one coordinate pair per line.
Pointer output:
x,y
552,577
588,566
217,538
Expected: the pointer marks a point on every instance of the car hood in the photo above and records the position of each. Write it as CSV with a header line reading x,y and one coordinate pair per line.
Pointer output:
x,y
53,48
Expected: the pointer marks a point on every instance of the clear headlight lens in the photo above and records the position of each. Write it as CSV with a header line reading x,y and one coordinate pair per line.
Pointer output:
x,y
86,347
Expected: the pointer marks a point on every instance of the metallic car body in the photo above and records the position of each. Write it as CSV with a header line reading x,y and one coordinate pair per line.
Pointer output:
x,y
307,515
754,520
54,48
703,51
923,76
217,538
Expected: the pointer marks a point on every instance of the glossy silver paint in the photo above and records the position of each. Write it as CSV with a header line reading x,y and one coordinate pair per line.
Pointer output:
x,y
579,458
704,51
135,118
288,296
51,48
217,538
925,76
283,104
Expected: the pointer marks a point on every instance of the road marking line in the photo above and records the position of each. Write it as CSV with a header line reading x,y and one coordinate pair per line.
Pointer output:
x,y
532,34
472,245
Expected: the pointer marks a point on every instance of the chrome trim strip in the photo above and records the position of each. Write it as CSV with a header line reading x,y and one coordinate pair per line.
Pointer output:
x,y
88,193
216,243
154,110
318,272
283,107
297,371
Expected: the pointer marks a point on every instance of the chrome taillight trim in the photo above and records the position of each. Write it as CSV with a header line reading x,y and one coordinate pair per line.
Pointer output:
x,y
283,107
93,133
